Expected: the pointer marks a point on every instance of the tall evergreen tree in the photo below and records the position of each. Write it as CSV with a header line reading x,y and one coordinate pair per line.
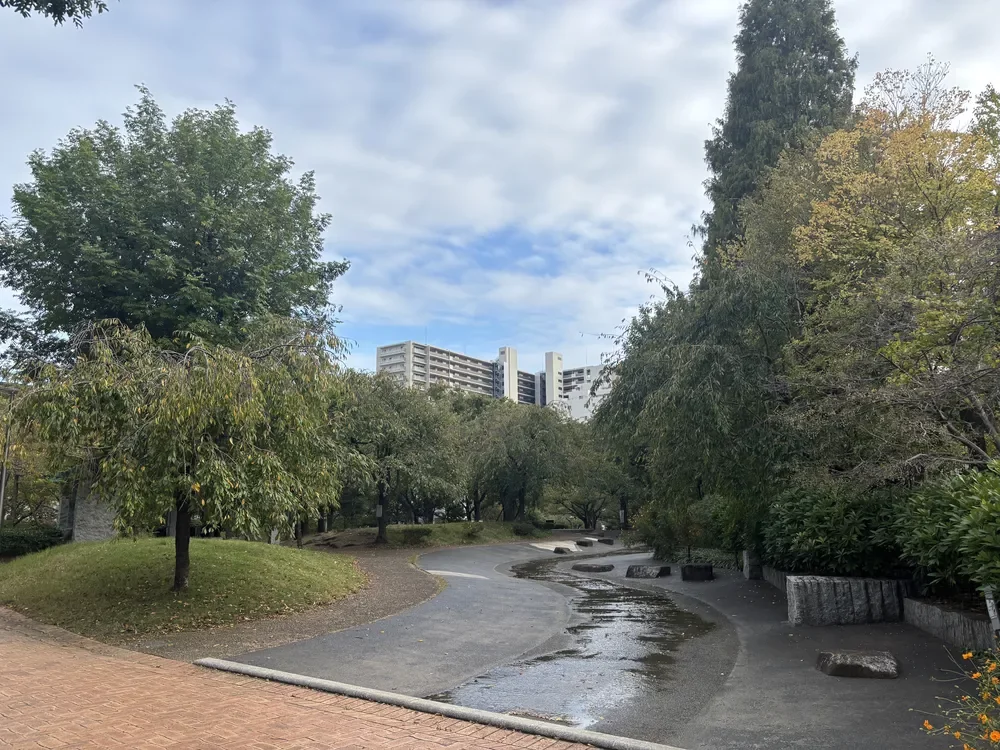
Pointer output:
x,y
793,77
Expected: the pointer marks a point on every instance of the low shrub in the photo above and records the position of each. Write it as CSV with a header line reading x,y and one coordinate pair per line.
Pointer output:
x,y
23,539
413,536
950,530
523,528
652,527
473,530
829,530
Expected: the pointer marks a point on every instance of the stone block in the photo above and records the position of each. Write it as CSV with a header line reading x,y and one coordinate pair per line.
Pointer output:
x,y
561,550
697,572
647,571
584,543
752,569
877,665
775,577
93,519
605,540
832,600
964,630
593,567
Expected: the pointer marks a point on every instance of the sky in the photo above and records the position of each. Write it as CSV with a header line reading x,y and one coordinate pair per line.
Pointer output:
x,y
499,172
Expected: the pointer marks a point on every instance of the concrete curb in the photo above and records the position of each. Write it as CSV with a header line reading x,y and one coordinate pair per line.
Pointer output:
x,y
501,721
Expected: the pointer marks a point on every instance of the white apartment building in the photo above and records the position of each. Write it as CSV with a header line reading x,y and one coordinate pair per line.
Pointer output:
x,y
421,365
578,393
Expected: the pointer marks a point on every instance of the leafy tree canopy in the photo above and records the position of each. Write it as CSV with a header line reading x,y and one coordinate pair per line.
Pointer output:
x,y
186,226
793,77
58,10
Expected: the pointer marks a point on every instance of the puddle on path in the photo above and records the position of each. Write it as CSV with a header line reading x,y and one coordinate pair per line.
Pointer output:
x,y
624,645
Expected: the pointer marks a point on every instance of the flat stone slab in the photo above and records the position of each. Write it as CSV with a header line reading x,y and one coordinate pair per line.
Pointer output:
x,y
606,541
561,550
593,567
697,572
584,543
647,571
875,665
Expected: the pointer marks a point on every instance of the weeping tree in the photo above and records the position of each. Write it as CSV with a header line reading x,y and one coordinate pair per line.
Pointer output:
x,y
238,439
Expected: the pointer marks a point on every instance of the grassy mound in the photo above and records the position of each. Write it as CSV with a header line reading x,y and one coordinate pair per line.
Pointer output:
x,y
108,589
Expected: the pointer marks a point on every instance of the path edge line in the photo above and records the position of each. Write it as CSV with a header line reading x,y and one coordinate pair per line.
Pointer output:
x,y
489,718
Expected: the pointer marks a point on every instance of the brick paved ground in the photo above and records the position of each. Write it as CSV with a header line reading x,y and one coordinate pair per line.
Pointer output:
x,y
58,690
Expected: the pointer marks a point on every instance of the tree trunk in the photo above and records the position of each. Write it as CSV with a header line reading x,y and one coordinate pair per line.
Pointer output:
x,y
299,532
521,501
623,513
382,537
182,544
330,515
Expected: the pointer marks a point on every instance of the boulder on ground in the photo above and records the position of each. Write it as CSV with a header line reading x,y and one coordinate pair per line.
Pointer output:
x,y
605,540
584,543
593,567
647,571
561,550
878,665
697,572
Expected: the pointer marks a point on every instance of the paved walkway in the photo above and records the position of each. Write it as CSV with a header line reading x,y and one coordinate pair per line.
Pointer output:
x,y
58,690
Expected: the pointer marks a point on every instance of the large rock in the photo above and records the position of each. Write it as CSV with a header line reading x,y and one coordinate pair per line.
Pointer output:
x,y
593,567
830,600
605,540
584,543
647,571
561,550
697,572
878,665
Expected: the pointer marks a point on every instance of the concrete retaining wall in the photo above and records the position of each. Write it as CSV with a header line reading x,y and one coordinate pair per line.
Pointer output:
x,y
829,600
775,577
960,629
93,520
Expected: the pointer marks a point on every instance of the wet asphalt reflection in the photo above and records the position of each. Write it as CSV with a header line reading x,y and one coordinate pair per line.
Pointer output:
x,y
622,646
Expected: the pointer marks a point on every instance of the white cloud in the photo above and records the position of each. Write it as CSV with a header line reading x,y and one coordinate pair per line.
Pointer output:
x,y
432,125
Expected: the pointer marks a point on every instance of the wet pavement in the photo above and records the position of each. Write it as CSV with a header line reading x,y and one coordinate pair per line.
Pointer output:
x,y
623,646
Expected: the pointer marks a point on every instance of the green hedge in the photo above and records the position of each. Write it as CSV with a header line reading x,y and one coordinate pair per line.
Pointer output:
x,y
830,530
20,540
950,530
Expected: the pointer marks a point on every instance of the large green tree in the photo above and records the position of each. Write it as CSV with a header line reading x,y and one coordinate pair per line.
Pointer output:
x,y
793,77
191,225
239,439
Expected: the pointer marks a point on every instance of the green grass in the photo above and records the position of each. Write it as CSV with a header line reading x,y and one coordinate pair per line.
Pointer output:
x,y
106,590
456,534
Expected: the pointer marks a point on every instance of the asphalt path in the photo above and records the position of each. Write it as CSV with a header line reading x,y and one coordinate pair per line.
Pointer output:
x,y
483,617
775,699
704,666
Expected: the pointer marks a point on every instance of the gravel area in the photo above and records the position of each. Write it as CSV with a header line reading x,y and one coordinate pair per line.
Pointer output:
x,y
394,585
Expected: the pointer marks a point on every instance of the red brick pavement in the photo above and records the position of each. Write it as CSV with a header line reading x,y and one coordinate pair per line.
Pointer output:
x,y
58,690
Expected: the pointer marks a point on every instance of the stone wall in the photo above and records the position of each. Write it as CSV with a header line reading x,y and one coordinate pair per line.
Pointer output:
x,y
960,629
830,600
775,577
93,520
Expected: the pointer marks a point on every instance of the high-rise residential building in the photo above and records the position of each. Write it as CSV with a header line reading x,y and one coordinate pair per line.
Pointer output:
x,y
579,393
421,365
